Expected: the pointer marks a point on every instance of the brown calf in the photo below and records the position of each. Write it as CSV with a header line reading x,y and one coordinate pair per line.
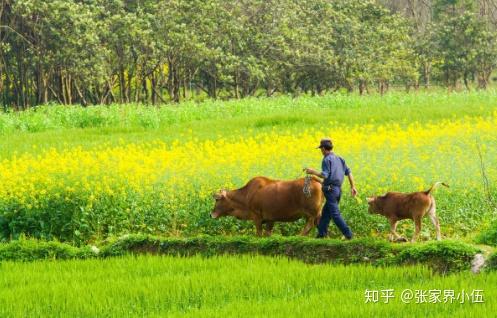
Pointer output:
x,y
397,206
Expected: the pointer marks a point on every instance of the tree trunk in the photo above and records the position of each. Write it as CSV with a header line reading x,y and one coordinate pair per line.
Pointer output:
x,y
466,83
81,96
137,89
153,83
145,90
176,85
122,84
129,87
362,85
237,96
68,88
212,87
170,78
426,70
62,88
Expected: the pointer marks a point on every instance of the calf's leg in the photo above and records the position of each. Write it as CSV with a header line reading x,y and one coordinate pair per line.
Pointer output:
x,y
434,219
393,229
417,223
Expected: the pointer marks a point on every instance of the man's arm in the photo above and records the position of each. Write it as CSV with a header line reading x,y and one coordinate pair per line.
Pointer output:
x,y
314,172
325,173
352,184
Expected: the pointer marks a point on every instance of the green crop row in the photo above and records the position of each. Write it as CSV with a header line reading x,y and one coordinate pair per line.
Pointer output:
x,y
241,286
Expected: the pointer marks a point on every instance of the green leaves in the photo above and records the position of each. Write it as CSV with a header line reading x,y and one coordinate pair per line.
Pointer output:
x,y
99,52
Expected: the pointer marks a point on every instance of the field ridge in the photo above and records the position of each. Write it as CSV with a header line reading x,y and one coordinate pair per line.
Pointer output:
x,y
441,256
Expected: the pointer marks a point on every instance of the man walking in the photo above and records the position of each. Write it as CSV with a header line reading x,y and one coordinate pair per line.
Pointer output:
x,y
333,170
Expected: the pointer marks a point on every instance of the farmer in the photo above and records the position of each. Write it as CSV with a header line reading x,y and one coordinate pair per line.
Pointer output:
x,y
333,170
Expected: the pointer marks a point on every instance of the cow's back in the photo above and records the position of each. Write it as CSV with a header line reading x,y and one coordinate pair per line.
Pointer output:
x,y
280,200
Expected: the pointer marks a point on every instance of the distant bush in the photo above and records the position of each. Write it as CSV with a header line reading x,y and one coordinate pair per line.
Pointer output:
x,y
489,236
492,262
30,250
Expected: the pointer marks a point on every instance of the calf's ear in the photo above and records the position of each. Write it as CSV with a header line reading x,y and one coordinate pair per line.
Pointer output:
x,y
216,196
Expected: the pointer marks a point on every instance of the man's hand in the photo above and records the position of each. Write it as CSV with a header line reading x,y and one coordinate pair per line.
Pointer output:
x,y
310,171
354,191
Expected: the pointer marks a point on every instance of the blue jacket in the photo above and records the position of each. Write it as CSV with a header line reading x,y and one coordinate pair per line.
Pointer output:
x,y
334,169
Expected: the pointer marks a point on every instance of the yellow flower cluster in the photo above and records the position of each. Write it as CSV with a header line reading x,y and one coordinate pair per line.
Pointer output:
x,y
382,157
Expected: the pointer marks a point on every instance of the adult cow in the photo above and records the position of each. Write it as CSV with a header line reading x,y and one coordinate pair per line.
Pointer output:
x,y
266,201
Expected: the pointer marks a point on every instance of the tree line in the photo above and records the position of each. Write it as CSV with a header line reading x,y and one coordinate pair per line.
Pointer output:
x,y
144,51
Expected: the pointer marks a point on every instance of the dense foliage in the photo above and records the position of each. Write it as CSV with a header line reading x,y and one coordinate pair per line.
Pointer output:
x,y
94,52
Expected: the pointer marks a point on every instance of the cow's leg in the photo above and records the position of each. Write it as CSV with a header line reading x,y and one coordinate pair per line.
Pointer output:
x,y
317,215
258,226
308,226
269,228
417,223
317,219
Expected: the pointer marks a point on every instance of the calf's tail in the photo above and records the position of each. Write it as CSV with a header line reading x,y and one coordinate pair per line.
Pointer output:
x,y
435,185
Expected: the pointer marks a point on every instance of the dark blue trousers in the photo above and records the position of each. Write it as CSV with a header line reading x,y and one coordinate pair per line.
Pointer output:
x,y
331,211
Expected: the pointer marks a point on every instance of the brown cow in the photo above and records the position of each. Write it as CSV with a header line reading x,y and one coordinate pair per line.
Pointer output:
x,y
397,206
264,200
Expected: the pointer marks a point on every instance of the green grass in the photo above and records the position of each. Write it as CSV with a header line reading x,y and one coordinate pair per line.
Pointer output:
x,y
488,235
153,286
65,126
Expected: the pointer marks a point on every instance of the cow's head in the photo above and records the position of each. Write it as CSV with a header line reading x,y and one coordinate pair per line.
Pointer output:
x,y
373,205
222,207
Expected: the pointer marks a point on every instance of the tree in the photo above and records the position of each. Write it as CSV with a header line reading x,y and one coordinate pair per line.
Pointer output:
x,y
465,45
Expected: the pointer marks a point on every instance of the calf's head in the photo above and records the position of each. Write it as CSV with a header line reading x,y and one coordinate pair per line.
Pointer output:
x,y
374,205
222,206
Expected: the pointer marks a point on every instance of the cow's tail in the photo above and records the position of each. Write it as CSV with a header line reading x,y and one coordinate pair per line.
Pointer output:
x,y
435,185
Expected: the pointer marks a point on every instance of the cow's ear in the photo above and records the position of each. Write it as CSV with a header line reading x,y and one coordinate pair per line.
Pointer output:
x,y
223,193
